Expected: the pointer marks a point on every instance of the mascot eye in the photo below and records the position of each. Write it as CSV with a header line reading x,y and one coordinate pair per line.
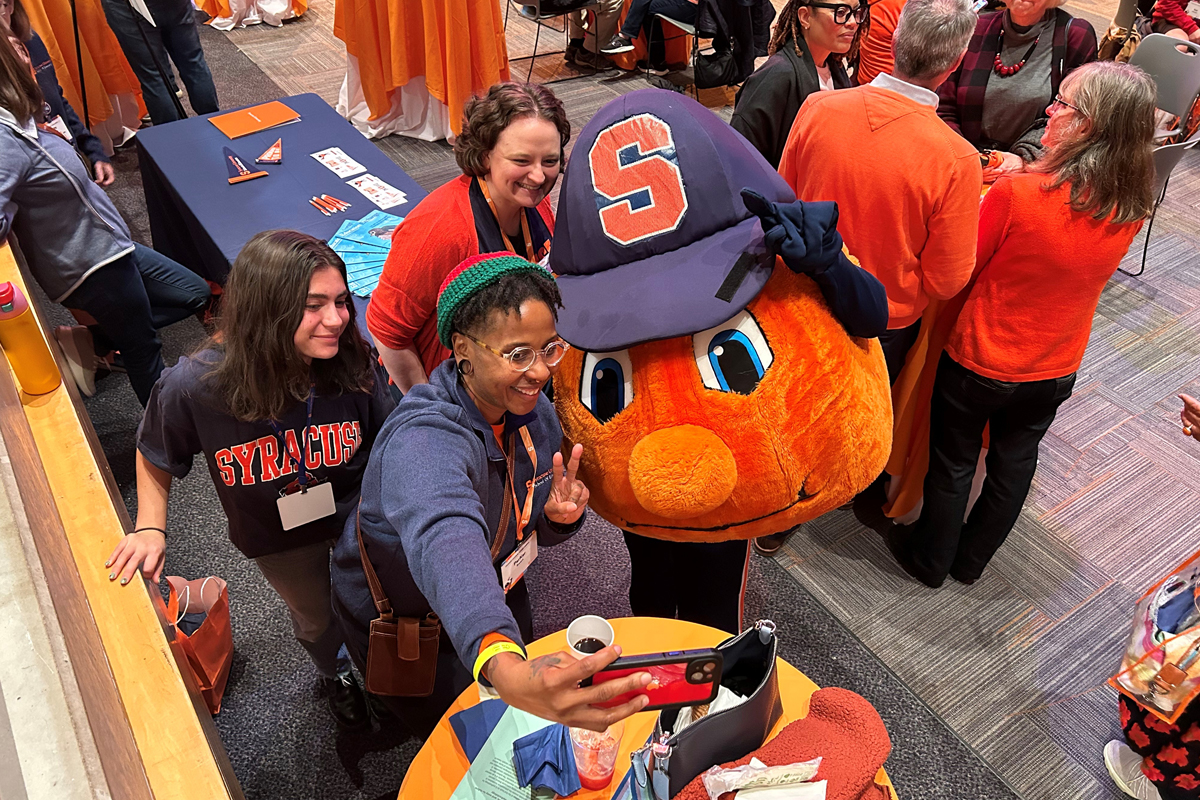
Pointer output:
x,y
606,386
733,357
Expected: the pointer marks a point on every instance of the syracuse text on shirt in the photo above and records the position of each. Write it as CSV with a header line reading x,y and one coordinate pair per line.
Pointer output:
x,y
329,445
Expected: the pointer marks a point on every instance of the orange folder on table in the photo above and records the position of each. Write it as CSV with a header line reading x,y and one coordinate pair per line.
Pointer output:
x,y
254,119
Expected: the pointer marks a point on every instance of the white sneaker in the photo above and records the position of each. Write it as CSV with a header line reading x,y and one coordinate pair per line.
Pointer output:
x,y
1125,768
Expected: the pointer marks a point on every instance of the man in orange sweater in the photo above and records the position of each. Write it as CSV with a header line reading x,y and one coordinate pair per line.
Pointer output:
x,y
906,185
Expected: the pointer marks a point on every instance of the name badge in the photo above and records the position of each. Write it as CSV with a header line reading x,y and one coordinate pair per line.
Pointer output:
x,y
301,508
59,125
513,568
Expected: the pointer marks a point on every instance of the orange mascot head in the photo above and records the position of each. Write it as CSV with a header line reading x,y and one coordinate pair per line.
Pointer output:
x,y
714,393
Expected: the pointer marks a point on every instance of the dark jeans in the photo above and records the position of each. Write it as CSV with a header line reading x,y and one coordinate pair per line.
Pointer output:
x,y
896,343
963,403
421,714
693,581
641,14
176,35
132,298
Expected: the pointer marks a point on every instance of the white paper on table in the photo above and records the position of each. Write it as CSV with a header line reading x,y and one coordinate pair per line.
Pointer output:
x,y
492,775
342,165
381,194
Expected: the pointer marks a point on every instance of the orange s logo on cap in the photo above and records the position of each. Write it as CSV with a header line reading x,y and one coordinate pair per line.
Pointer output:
x,y
635,172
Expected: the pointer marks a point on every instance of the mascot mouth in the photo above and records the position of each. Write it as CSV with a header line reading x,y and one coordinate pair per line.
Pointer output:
x,y
801,496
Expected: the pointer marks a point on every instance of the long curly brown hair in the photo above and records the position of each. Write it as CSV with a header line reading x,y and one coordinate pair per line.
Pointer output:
x,y
261,373
787,28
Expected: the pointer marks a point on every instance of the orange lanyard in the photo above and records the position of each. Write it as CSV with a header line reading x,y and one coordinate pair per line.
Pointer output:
x,y
529,255
527,510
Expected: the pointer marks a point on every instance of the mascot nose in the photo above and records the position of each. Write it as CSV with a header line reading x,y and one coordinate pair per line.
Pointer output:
x,y
682,472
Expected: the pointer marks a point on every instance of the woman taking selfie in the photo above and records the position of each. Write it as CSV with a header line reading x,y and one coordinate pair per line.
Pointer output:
x,y
511,152
465,483
284,405
806,49
1049,240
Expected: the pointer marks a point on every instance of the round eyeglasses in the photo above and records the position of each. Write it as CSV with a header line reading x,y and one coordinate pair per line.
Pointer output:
x,y
842,12
523,358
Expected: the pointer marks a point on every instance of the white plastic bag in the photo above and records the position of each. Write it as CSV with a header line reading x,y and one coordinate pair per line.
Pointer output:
x,y
718,780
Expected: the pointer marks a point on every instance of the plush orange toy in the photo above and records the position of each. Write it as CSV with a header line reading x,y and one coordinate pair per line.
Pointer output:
x,y
715,394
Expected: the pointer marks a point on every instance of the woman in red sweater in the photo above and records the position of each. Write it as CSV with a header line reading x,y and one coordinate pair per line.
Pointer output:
x,y
1171,17
511,152
1049,240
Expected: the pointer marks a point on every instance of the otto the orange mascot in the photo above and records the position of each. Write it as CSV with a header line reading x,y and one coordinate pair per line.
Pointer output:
x,y
721,379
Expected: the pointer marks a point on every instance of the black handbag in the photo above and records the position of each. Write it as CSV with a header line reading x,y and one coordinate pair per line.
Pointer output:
x,y
670,761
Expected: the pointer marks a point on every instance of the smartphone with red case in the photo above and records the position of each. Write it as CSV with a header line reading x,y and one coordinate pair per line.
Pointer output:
x,y
678,678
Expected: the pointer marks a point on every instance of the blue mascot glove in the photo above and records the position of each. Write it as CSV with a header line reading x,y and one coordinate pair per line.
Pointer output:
x,y
805,236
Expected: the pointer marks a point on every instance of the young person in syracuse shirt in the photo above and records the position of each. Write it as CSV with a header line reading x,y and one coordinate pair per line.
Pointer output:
x,y
434,494
286,379
1049,241
511,152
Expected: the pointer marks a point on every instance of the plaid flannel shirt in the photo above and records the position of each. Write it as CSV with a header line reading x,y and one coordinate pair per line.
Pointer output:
x,y
961,96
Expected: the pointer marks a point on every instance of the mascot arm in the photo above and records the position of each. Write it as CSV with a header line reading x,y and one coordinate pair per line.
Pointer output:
x,y
441,533
855,296
805,236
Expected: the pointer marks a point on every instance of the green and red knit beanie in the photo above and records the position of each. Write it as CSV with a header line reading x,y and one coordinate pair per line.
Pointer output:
x,y
473,274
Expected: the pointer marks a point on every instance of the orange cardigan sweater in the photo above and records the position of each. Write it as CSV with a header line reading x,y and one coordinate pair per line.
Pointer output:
x,y
1041,269
906,185
433,239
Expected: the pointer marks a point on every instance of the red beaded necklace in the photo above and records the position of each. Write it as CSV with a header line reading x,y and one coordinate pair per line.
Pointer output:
x,y
1004,71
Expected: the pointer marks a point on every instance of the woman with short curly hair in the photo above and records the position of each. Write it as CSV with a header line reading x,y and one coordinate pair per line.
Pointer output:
x,y
511,152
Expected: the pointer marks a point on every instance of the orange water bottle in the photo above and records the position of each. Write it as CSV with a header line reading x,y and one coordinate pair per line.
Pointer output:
x,y
23,343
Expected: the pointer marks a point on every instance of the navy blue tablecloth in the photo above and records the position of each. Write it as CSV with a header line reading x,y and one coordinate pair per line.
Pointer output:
x,y
202,221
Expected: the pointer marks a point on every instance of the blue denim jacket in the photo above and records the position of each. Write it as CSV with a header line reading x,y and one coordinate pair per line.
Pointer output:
x,y
431,502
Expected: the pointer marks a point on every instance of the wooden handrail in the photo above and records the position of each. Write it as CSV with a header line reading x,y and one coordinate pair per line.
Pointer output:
x,y
154,735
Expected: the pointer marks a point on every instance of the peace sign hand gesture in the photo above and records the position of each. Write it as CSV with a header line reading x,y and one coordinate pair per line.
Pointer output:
x,y
568,496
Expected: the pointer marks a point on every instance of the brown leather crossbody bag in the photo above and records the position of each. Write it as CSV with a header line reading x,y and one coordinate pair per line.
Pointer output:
x,y
402,652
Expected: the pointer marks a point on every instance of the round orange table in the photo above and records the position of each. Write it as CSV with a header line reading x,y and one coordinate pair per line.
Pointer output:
x,y
441,763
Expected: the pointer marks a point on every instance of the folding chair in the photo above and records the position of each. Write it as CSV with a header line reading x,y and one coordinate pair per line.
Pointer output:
x,y
685,30
1175,73
1165,159
532,10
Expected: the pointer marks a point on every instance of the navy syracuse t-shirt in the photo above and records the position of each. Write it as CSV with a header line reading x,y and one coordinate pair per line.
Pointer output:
x,y
247,461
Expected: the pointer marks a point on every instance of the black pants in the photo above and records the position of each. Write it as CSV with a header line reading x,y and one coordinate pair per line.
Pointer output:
x,y
692,581
421,714
963,403
132,298
896,343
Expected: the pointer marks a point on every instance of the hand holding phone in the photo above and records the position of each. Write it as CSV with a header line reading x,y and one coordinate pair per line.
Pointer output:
x,y
678,678
552,687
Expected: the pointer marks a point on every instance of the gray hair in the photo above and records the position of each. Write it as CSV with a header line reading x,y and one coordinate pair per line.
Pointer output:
x,y
931,36
1106,153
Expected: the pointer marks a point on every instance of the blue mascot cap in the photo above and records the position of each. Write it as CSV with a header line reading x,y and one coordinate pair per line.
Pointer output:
x,y
652,240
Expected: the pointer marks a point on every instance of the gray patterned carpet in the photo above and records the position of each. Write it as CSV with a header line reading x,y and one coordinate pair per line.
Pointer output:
x,y
995,690
1017,663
